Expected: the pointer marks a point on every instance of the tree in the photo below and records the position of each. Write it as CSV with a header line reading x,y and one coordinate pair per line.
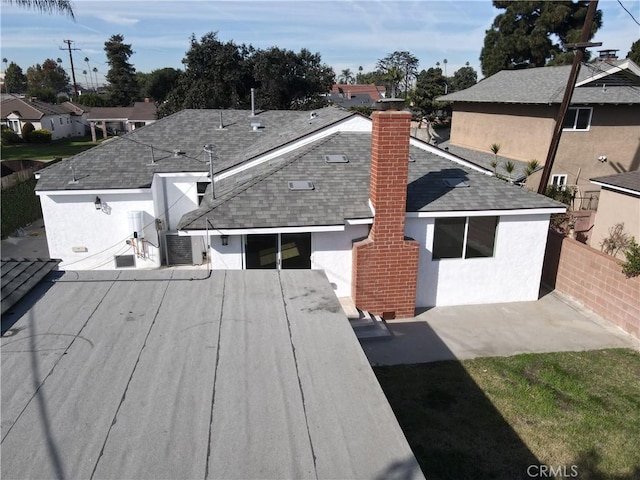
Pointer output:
x,y
430,84
160,82
49,77
634,53
46,6
522,36
216,75
289,80
403,62
346,76
14,80
121,77
464,77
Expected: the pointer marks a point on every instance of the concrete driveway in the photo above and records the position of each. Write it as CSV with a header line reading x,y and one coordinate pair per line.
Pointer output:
x,y
552,324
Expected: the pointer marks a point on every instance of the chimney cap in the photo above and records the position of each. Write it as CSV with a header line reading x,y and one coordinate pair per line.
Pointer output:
x,y
389,104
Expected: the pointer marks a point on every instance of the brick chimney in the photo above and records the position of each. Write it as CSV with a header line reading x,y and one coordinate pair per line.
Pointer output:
x,y
385,264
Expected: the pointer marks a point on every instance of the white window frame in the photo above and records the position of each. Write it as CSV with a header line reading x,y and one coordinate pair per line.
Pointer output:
x,y
575,121
560,180
465,243
14,125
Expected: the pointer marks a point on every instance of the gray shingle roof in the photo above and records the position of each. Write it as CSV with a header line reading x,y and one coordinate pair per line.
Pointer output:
x,y
20,276
29,109
126,162
546,85
342,190
626,180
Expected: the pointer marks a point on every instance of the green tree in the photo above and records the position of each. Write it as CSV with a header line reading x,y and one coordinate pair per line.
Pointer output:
x,y
14,80
216,75
464,77
430,84
121,77
400,68
634,53
289,80
45,6
534,34
346,76
49,76
160,82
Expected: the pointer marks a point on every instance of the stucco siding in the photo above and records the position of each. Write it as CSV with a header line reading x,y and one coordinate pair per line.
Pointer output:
x,y
522,131
227,257
511,275
73,223
332,253
616,207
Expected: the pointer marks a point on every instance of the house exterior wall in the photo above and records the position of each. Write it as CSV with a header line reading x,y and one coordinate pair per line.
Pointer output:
x,y
332,253
60,126
595,280
511,275
73,223
524,133
176,195
616,207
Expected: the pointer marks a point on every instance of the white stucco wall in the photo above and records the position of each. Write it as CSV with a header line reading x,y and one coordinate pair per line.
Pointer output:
x,y
512,275
227,257
73,223
176,195
332,253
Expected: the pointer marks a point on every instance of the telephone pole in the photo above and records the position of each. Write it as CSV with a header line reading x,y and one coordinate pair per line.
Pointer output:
x,y
568,92
73,73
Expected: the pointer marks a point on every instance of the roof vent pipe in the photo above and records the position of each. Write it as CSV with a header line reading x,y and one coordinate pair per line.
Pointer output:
x,y
221,125
253,102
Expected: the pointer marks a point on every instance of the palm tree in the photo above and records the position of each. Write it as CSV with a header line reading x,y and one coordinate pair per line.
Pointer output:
x,y
359,77
346,76
495,148
95,72
46,6
86,59
445,61
84,72
509,166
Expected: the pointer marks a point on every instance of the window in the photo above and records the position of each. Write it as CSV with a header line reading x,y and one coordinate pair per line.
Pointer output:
x,y
61,121
14,125
578,119
464,237
559,180
53,125
202,188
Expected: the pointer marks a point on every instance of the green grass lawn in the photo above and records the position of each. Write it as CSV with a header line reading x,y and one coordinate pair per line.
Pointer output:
x,y
576,412
60,148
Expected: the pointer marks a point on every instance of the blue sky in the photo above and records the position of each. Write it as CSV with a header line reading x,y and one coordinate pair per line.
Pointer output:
x,y
347,34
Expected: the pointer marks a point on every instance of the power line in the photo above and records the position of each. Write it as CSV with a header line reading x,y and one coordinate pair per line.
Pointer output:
x,y
630,14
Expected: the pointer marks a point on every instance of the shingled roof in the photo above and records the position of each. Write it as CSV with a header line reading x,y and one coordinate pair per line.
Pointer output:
x,y
33,109
626,181
130,161
602,84
341,190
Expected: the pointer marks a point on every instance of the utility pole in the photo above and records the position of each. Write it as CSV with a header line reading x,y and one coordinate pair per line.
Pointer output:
x,y
568,92
73,72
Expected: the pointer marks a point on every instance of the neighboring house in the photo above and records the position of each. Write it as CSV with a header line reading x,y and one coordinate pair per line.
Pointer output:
x,y
359,95
63,120
517,109
619,203
328,189
116,120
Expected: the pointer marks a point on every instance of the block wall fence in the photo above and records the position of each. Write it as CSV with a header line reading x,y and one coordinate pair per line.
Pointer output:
x,y
593,279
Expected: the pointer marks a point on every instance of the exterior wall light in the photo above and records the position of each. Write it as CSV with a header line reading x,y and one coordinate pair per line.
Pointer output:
x,y
98,203
224,239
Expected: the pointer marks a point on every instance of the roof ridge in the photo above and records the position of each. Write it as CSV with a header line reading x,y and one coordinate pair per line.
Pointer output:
x,y
243,187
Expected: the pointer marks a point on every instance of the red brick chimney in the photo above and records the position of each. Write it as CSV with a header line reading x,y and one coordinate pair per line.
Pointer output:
x,y
385,264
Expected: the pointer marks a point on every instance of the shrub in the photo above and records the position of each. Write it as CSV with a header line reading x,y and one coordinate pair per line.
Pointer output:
x,y
40,136
27,130
631,267
9,137
20,206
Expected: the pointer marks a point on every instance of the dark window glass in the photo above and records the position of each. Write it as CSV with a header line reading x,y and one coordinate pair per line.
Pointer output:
x,y
583,119
448,237
570,118
295,250
261,251
481,236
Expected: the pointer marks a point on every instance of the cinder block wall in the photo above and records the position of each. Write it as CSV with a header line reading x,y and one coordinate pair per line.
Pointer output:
x,y
593,279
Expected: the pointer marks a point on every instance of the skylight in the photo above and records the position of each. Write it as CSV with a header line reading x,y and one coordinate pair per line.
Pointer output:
x,y
336,159
300,185
455,182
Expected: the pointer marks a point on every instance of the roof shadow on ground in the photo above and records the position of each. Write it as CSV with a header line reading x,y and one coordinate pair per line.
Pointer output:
x,y
452,427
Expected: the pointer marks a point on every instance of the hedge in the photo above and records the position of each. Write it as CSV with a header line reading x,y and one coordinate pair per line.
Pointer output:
x,y
20,207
